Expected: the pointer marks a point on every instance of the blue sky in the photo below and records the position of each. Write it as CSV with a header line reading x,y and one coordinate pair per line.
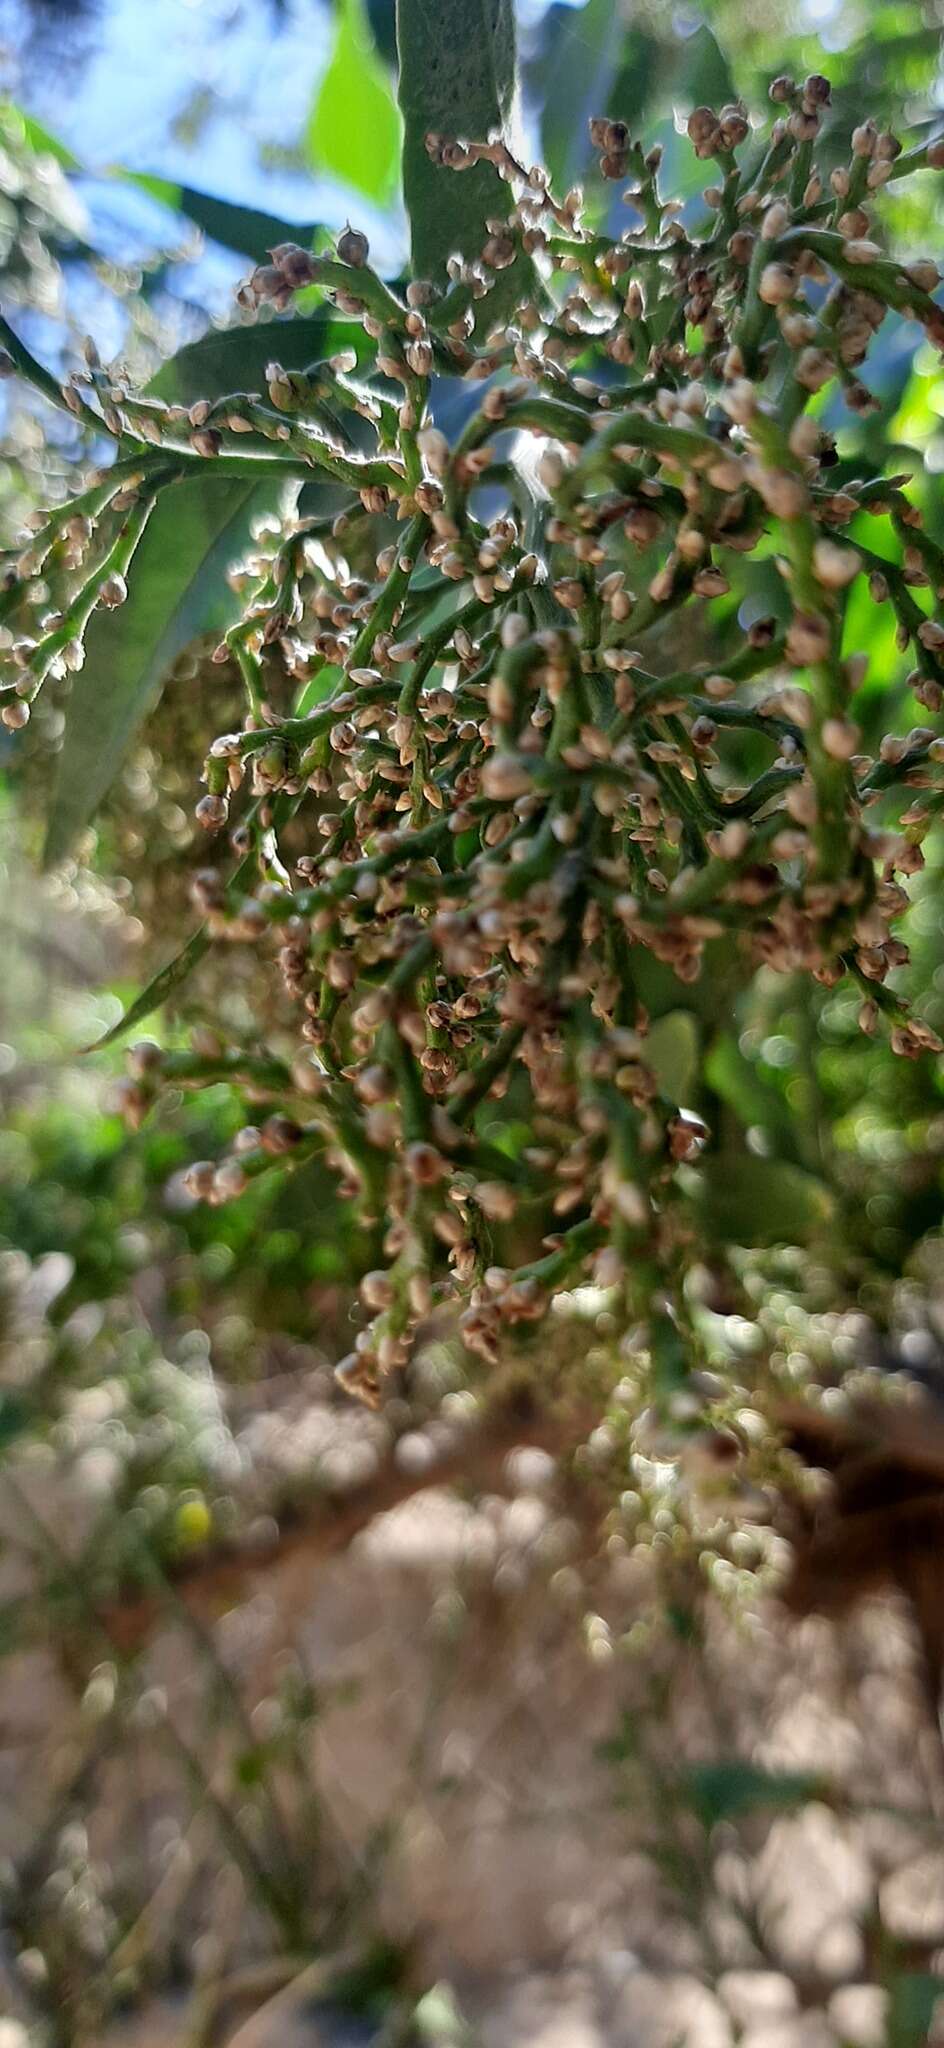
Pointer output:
x,y
141,63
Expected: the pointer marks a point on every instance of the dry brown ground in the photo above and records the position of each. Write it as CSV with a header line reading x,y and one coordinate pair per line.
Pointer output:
x,y
569,1900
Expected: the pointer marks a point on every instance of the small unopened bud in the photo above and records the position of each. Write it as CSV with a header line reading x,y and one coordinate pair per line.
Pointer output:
x,y
211,812
353,247
206,441
424,1164
199,1178
834,566
376,1289
840,738
280,1134
434,448
229,1182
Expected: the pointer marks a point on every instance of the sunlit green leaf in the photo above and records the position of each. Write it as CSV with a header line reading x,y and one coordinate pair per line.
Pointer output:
x,y
317,688
354,130
179,589
177,586
39,137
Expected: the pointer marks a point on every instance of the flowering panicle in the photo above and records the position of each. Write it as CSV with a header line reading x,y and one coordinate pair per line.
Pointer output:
x,y
508,776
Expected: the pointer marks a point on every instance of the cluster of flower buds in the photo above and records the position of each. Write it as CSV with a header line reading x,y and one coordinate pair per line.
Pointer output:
x,y
500,759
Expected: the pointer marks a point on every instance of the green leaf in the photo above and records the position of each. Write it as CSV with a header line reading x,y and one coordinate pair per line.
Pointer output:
x,y
670,1356
754,1100
178,589
705,70
39,137
157,990
914,1996
354,130
457,78
730,1789
317,688
242,228
748,1201
234,358
177,586
671,1050
15,1417
382,16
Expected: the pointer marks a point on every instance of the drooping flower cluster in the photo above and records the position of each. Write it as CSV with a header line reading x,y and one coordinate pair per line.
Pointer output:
x,y
498,753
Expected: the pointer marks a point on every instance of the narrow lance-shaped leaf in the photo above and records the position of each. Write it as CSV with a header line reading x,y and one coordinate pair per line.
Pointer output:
x,y
157,991
41,138
245,229
457,78
172,976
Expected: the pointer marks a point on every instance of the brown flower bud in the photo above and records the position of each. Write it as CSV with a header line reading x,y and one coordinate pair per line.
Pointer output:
x,y
353,247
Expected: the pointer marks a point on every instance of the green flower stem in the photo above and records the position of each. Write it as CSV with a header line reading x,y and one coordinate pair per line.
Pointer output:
x,y
115,563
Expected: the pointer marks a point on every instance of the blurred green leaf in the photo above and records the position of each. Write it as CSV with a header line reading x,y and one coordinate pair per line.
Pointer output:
x,y
913,1998
597,59
178,585
581,57
671,1050
178,589
241,228
671,1357
39,137
382,16
354,130
439,2022
623,1745
15,1416
750,1201
739,1083
457,77
728,1790
158,989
